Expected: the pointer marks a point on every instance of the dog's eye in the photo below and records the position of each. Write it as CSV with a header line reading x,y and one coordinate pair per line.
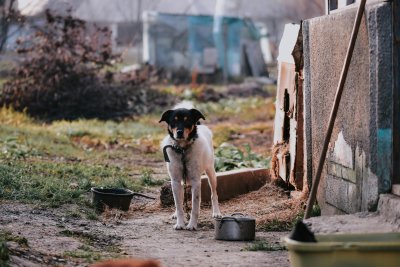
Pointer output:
x,y
176,118
185,118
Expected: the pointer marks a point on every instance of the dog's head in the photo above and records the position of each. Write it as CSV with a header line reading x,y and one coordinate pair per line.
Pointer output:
x,y
182,122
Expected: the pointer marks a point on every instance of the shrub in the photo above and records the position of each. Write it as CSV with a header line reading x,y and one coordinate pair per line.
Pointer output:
x,y
229,157
61,76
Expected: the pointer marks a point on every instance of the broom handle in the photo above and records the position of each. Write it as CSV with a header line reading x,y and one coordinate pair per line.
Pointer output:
x,y
339,90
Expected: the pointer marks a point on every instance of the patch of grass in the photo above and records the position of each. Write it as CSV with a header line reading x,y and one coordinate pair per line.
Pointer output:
x,y
76,214
6,236
106,130
146,178
244,109
264,246
4,252
13,148
90,256
229,157
21,141
224,132
91,215
72,140
50,182
277,225
104,243
10,117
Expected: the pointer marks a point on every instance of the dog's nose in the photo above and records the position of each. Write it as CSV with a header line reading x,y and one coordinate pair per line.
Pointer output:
x,y
179,133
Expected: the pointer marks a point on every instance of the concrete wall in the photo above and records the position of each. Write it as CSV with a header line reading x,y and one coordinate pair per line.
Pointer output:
x,y
358,164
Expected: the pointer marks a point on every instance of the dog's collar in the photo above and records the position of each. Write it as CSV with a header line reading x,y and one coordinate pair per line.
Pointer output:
x,y
177,149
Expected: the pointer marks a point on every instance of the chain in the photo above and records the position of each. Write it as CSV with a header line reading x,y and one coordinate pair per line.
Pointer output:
x,y
185,194
181,151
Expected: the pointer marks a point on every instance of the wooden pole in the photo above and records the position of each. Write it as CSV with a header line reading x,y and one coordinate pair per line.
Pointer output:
x,y
339,90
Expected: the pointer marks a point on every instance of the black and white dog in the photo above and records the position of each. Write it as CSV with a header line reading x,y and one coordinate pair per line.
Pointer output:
x,y
195,141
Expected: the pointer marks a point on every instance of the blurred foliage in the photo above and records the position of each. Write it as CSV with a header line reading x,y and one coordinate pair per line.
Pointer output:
x,y
228,157
61,75
12,148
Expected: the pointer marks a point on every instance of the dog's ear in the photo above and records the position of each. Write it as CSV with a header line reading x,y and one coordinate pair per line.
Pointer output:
x,y
197,115
165,116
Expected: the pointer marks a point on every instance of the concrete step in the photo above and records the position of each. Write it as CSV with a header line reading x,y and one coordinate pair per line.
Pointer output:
x,y
385,219
389,208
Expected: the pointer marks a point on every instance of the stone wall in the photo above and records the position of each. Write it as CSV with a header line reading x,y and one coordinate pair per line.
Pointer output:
x,y
358,165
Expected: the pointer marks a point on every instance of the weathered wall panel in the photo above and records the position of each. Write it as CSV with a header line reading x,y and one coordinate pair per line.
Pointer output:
x,y
358,159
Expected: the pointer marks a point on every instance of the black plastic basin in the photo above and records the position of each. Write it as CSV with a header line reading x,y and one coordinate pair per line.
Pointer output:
x,y
118,198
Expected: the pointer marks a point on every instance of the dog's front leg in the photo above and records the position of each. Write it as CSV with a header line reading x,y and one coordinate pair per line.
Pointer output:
x,y
177,191
212,181
196,199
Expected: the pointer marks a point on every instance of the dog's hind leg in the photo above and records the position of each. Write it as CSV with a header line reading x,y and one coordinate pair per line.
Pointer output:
x,y
177,191
196,199
212,181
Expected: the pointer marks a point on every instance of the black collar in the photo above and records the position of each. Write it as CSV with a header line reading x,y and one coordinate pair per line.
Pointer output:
x,y
177,149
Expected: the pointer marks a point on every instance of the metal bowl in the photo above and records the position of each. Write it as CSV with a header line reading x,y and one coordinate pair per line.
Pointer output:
x,y
118,198
236,227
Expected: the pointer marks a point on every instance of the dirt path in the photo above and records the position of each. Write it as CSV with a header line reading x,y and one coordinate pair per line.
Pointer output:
x,y
54,238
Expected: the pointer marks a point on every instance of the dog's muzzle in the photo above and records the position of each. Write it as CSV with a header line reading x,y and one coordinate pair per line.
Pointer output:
x,y
179,134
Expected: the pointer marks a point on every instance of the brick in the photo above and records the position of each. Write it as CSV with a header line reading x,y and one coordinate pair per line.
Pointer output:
x,y
349,174
334,169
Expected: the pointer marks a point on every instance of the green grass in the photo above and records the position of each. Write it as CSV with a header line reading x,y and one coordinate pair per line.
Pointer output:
x,y
107,130
18,142
93,248
19,133
89,256
146,178
6,236
245,109
229,157
51,182
264,246
4,254
277,225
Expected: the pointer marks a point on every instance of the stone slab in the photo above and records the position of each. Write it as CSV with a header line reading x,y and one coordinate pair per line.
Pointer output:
x,y
385,219
389,208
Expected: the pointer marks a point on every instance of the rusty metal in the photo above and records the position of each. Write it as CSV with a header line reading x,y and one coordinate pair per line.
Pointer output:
x,y
335,107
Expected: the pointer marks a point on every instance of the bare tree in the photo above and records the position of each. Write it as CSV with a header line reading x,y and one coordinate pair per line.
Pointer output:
x,y
8,15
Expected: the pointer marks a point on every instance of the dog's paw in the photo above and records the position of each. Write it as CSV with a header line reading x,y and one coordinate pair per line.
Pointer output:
x,y
179,226
191,227
173,216
217,214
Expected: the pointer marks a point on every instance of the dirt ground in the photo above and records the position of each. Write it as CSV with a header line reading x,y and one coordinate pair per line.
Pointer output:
x,y
44,236
145,231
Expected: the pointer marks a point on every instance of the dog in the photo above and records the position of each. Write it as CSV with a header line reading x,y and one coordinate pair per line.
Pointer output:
x,y
188,136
